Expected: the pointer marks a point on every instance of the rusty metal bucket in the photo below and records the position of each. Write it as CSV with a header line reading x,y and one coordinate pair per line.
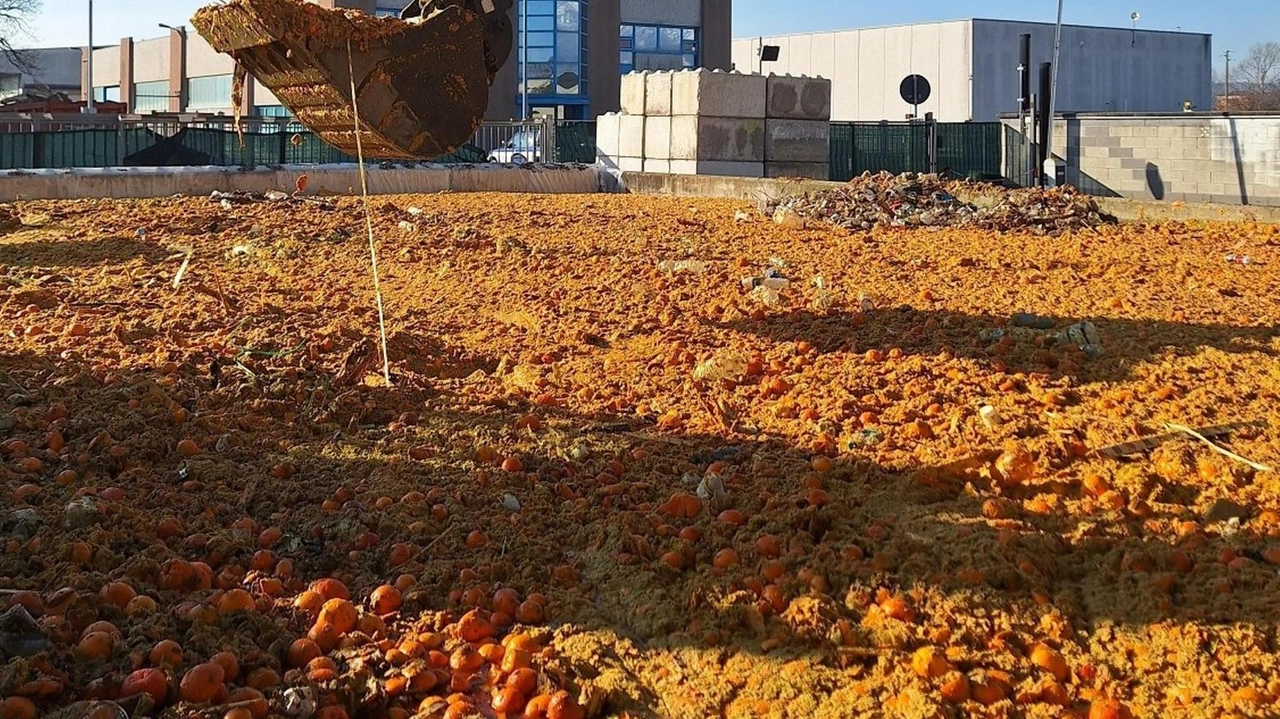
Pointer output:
x,y
422,85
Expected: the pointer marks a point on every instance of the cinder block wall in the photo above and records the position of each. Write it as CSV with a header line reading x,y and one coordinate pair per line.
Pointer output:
x,y
1194,158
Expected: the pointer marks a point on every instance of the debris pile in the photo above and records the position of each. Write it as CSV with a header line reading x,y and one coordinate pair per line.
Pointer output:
x,y
914,200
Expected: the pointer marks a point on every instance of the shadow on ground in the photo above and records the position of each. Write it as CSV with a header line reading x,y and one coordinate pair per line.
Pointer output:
x,y
821,556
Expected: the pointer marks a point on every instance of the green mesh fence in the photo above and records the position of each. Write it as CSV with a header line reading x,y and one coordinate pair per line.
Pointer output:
x,y
968,149
576,141
187,146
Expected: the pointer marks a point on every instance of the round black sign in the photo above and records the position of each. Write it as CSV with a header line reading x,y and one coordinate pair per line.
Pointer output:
x,y
914,89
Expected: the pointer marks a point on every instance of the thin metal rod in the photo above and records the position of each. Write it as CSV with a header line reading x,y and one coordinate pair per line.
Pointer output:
x,y
89,81
368,221
524,59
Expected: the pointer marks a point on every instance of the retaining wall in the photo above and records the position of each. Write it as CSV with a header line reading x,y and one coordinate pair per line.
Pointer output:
x,y
1193,158
321,179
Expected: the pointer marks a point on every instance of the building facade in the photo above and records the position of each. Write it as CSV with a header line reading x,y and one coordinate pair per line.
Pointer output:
x,y
577,51
51,70
972,68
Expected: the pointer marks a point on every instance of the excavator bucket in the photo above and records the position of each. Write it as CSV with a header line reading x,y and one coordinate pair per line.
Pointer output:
x,y
421,84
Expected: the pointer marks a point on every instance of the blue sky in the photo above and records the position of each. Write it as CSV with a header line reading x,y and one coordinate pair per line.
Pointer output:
x,y
1235,24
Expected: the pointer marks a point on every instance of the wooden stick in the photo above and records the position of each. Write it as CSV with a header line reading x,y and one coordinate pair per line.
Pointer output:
x,y
1216,448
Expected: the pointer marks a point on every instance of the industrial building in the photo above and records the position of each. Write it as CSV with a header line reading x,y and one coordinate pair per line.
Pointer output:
x,y
578,50
51,70
971,67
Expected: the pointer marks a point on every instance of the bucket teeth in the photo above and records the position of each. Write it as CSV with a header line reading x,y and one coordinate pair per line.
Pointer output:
x,y
421,87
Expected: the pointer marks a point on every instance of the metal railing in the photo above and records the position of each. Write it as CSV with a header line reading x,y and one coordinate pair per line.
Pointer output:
x,y
32,141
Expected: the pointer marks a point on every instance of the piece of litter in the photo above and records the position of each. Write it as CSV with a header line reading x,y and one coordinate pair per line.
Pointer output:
x,y
711,490
510,503
990,417
1226,453
1146,444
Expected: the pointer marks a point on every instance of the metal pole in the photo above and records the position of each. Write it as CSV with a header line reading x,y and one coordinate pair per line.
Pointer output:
x,y
1053,93
524,59
1226,97
88,106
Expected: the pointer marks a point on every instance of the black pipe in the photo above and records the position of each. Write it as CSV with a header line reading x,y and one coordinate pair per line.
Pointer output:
x,y
1042,112
1024,59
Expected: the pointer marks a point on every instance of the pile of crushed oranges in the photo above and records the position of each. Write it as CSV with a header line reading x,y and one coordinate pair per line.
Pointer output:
x,y
597,486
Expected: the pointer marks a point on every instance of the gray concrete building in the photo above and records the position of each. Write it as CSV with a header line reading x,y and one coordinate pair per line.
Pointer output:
x,y
971,67
578,50
52,69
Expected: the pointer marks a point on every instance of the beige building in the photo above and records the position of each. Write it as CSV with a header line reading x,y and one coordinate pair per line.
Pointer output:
x,y
578,50
971,67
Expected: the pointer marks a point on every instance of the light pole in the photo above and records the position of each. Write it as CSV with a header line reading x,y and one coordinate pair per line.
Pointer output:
x,y
1226,91
524,60
88,105
1053,89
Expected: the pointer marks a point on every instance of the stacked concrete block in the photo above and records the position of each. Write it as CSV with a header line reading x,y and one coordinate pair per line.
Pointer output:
x,y
620,142
797,127
633,93
657,93
718,123
657,143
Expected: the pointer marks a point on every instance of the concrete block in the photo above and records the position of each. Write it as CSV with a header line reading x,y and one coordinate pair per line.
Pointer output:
x,y
718,94
807,170
657,137
717,138
630,164
1121,130
1213,188
662,167
717,167
1169,131
632,93
608,135
631,136
657,93
797,140
798,98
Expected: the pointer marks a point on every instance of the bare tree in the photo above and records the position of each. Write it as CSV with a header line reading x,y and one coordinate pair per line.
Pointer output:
x,y
1256,78
15,16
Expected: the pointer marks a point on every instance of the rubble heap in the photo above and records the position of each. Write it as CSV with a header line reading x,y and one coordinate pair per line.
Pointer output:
x,y
911,200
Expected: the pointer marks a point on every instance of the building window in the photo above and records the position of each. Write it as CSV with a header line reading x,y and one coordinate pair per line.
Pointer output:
x,y
10,85
271,111
209,93
150,96
107,94
557,50
657,47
